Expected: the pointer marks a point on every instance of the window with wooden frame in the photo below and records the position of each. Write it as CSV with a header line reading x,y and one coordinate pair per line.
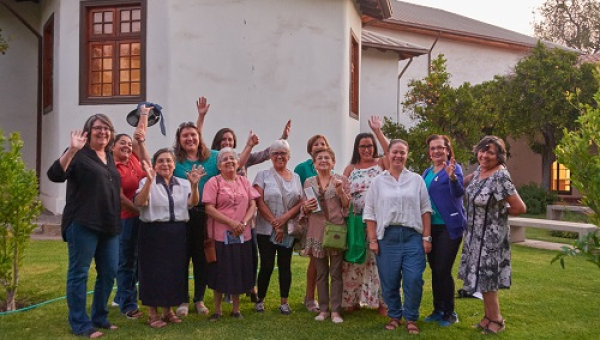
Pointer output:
x,y
48,66
354,79
560,177
112,52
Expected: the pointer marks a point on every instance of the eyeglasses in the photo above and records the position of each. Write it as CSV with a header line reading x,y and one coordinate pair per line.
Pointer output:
x,y
279,154
100,128
437,148
363,147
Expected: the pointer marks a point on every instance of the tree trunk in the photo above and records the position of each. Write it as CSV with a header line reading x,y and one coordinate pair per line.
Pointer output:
x,y
10,299
548,157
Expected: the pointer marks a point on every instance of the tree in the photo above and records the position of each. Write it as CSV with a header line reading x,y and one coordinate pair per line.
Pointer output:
x,y
533,102
465,114
574,23
3,43
19,206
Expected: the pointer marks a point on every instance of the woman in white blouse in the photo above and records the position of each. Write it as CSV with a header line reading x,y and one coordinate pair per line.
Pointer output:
x,y
280,190
397,213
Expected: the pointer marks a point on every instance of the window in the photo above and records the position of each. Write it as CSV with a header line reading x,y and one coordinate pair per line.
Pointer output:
x,y
113,52
354,66
561,179
48,65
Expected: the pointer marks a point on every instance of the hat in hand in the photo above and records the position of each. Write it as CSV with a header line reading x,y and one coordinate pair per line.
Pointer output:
x,y
154,116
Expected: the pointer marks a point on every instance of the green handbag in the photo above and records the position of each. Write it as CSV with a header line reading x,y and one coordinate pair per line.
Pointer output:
x,y
357,244
334,236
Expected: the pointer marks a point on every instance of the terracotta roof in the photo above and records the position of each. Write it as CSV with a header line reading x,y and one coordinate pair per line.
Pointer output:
x,y
378,9
404,49
589,58
417,18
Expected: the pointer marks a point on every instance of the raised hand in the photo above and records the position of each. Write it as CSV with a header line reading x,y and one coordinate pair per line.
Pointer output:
x,y
78,139
150,173
253,139
451,168
286,130
195,174
339,186
375,123
202,107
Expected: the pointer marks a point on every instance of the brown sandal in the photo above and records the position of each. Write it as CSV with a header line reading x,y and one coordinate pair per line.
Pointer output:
x,y
156,322
171,317
393,324
412,328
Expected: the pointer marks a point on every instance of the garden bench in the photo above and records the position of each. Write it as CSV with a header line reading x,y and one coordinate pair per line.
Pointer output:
x,y
518,225
555,212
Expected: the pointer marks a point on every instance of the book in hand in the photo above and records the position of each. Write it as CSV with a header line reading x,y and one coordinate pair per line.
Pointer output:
x,y
231,239
287,241
310,194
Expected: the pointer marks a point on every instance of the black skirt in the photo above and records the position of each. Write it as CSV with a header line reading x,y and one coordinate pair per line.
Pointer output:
x,y
162,263
233,272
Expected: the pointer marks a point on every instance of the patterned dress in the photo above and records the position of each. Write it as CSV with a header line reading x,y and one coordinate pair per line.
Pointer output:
x,y
485,261
361,281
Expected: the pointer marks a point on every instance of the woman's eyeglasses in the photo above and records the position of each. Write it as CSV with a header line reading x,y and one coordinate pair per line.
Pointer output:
x,y
279,154
364,147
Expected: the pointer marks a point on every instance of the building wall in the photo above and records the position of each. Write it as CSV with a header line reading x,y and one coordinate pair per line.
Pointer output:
x,y
18,74
259,63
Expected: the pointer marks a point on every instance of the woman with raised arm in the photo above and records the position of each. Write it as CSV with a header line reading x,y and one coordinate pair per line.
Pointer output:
x,y
485,260
90,222
361,281
163,202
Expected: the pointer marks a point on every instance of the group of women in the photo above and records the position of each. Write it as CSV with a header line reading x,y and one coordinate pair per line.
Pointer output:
x,y
143,218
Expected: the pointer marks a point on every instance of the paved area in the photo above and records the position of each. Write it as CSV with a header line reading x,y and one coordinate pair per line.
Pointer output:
x,y
541,244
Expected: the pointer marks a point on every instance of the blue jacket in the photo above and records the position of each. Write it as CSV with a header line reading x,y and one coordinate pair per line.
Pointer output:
x,y
448,198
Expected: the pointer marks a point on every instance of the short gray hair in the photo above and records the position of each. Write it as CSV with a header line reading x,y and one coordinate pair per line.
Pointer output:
x,y
280,145
224,151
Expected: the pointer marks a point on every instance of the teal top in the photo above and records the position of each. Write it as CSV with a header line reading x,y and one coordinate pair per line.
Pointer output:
x,y
209,164
436,218
305,170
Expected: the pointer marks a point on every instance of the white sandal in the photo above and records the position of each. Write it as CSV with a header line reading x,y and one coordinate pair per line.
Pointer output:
x,y
182,310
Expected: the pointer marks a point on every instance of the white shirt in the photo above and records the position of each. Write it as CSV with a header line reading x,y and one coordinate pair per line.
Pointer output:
x,y
291,191
159,208
397,202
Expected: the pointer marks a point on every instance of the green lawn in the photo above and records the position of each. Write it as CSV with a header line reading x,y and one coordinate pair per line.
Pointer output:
x,y
545,302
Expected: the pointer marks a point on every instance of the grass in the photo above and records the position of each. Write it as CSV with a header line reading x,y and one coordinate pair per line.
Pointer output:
x,y
545,302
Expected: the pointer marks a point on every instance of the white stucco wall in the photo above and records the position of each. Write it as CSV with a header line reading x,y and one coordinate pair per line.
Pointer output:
x,y
465,62
259,63
18,74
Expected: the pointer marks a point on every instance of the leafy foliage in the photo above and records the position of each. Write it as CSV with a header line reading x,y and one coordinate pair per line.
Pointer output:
x,y
588,248
532,99
574,23
465,114
18,207
536,198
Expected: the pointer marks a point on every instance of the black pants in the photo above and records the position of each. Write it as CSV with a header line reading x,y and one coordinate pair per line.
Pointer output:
x,y
267,251
195,251
441,260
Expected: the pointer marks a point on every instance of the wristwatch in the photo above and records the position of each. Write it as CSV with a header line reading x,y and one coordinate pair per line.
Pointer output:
x,y
427,239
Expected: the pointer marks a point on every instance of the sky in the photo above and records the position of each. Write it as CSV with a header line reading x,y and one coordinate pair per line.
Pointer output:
x,y
515,15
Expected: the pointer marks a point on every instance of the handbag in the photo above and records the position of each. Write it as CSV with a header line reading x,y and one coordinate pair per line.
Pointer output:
x,y
357,244
210,252
334,236
293,226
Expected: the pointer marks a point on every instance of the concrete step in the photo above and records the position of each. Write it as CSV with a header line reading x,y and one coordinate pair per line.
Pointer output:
x,y
48,227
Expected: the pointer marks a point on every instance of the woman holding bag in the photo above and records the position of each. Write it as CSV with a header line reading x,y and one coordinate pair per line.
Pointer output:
x,y
361,280
330,206
280,201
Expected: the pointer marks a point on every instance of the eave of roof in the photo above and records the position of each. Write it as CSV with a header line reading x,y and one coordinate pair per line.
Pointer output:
x,y
377,9
404,49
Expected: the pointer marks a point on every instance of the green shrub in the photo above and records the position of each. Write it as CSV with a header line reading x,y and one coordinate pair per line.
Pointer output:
x,y
564,234
536,198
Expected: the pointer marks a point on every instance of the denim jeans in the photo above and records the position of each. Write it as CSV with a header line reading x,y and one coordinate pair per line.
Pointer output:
x,y
441,260
401,259
127,294
85,244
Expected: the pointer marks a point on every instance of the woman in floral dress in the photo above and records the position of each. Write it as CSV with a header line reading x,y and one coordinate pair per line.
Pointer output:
x,y
361,281
485,262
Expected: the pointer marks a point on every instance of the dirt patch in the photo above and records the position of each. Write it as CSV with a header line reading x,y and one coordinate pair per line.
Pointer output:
x,y
21,303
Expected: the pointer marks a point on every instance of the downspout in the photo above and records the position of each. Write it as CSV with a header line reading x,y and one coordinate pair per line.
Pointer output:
x,y
398,90
429,53
38,143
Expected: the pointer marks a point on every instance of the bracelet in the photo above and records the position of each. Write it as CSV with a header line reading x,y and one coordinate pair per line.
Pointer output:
x,y
371,242
143,114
